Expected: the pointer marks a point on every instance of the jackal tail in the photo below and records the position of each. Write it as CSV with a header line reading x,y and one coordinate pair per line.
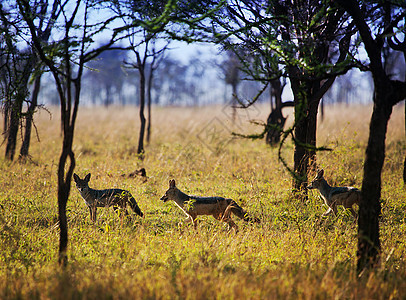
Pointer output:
x,y
242,214
135,207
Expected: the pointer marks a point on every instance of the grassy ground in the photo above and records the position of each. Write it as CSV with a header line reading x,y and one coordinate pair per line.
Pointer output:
x,y
292,254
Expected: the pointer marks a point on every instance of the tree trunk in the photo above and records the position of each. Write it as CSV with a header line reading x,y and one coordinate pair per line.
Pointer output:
x,y
368,222
149,88
29,119
404,163
322,111
17,104
234,102
68,118
6,113
276,120
305,140
300,157
275,124
64,184
13,125
140,150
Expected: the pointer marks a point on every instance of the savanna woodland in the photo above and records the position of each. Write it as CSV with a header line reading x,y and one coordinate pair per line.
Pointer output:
x,y
103,87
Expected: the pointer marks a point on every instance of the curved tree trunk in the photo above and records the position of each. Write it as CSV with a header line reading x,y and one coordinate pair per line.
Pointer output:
x,y
65,169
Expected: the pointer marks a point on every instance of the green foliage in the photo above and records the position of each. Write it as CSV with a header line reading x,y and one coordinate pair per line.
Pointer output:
x,y
293,253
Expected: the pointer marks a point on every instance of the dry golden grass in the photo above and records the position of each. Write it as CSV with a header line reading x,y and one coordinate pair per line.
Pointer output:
x,y
292,254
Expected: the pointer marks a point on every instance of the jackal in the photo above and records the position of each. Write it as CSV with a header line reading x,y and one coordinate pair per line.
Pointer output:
x,y
220,208
334,196
104,198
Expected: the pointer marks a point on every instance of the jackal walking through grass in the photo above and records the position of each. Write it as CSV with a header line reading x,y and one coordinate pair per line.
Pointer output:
x,y
104,198
220,208
333,196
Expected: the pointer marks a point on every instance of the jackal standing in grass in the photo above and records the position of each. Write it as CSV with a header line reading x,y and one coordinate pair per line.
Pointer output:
x,y
104,198
333,196
220,208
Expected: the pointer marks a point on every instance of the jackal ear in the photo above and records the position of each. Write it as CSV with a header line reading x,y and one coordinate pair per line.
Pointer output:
x,y
320,174
172,183
76,177
87,178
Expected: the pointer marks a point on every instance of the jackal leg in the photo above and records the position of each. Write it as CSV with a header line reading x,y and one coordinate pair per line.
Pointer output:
x,y
190,219
334,207
226,217
231,224
327,212
92,210
352,211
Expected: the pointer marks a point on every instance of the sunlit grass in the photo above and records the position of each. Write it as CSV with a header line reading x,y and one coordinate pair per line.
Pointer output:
x,y
293,253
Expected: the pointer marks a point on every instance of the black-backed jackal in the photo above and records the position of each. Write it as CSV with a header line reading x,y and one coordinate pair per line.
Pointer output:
x,y
104,198
220,208
333,196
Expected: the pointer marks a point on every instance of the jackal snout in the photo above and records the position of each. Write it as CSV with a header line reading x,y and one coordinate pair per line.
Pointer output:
x,y
170,193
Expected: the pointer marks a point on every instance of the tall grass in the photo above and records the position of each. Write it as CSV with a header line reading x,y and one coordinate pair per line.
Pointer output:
x,y
293,253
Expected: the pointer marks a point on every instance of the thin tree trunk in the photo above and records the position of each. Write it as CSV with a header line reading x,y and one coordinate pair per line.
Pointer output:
x,y
68,117
234,102
140,150
24,150
149,88
13,125
276,120
6,114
